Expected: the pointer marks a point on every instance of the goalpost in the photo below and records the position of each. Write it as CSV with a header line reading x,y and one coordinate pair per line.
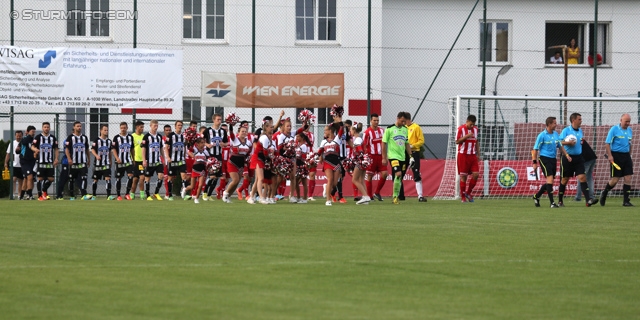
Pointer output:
x,y
508,127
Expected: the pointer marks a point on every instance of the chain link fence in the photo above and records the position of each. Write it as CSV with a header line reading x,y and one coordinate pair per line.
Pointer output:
x,y
420,52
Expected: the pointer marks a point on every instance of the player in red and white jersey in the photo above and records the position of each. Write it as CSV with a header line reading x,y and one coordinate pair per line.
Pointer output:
x,y
239,149
199,154
189,161
372,142
247,173
468,148
260,153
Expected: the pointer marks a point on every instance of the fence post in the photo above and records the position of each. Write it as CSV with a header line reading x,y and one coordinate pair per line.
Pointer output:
x,y
600,121
526,110
57,128
13,152
638,107
133,114
563,122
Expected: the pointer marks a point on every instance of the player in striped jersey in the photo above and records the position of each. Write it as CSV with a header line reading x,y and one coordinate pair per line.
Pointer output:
x,y
468,148
344,139
123,154
215,139
372,141
175,152
163,157
100,148
226,152
45,149
77,152
152,147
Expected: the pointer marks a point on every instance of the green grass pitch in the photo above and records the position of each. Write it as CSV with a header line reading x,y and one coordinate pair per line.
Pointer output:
x,y
494,259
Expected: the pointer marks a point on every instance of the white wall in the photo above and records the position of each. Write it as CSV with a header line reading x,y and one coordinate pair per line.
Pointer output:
x,y
430,27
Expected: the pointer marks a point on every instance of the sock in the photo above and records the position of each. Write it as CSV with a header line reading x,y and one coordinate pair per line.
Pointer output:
x,y
244,186
549,191
22,192
312,186
472,184
39,187
221,187
30,193
355,190
380,185
339,187
184,184
45,186
129,185
626,191
108,183
71,187
463,188
369,186
147,188
210,186
94,186
396,186
333,191
419,188
169,188
542,190
563,187
83,186
118,185
585,191
158,186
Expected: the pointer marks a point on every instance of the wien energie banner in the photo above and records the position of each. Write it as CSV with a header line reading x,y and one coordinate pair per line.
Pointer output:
x,y
261,90
86,77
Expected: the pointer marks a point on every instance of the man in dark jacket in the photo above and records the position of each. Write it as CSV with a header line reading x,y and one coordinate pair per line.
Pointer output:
x,y
589,163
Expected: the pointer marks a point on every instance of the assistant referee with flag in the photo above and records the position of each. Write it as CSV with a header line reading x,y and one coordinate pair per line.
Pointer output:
x,y
618,146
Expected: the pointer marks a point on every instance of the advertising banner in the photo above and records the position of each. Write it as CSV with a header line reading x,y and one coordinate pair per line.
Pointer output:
x,y
90,78
517,178
260,90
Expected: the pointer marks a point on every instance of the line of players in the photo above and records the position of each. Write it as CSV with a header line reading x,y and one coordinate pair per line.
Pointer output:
x,y
139,156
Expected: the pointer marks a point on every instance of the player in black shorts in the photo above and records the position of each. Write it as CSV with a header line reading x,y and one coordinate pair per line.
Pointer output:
x,y
28,161
152,146
123,153
618,146
101,150
45,150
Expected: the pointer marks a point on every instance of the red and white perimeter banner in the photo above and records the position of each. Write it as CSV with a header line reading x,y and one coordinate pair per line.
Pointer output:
x,y
517,178
261,90
431,172
507,178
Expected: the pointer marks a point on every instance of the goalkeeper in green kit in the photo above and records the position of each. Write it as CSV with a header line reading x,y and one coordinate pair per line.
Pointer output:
x,y
395,147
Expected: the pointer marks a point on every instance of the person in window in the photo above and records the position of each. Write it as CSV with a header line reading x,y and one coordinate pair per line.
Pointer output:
x,y
590,59
556,59
573,53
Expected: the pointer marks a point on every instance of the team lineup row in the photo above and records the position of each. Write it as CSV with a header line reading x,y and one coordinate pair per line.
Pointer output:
x,y
203,156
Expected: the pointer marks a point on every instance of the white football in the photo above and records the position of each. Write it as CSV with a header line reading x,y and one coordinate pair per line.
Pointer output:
x,y
570,138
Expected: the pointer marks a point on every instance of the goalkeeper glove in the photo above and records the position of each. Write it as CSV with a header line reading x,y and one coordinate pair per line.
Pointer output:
x,y
412,162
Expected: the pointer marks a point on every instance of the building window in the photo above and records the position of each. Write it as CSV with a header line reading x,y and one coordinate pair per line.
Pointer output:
x,y
79,21
97,117
496,49
316,20
203,19
191,110
561,33
214,110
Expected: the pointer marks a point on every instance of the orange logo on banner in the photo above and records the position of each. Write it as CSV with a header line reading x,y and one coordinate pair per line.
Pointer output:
x,y
318,90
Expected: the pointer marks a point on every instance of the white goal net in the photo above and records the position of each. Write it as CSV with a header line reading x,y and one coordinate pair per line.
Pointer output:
x,y
508,127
